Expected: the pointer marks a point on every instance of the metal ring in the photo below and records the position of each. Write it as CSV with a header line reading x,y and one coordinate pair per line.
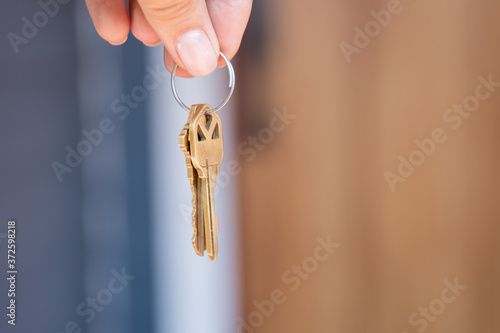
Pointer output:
x,y
231,86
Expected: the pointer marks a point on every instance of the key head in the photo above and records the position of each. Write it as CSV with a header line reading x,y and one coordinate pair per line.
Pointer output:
x,y
205,140
184,136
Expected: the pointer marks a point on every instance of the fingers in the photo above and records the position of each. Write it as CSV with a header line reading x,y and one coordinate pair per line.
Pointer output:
x,y
110,19
185,29
192,31
140,26
229,19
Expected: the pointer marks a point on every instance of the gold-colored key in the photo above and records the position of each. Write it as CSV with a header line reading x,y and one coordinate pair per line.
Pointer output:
x,y
201,142
198,239
207,151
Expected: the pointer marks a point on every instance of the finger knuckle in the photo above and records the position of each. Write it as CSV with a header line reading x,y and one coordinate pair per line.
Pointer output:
x,y
172,10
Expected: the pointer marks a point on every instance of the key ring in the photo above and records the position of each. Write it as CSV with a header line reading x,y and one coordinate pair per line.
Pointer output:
x,y
231,86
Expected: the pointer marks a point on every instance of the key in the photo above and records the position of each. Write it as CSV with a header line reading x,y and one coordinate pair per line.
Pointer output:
x,y
198,239
201,141
207,152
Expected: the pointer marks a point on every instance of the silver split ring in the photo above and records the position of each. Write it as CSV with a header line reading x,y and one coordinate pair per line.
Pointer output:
x,y
231,86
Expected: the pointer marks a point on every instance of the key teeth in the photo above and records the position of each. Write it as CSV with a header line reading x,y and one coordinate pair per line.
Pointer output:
x,y
193,222
183,142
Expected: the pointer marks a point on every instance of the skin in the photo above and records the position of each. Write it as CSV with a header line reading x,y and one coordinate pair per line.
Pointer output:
x,y
164,21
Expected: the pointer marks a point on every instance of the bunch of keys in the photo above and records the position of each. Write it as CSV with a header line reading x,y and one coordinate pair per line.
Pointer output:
x,y
201,142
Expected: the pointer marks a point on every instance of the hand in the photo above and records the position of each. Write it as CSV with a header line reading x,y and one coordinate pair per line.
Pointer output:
x,y
192,31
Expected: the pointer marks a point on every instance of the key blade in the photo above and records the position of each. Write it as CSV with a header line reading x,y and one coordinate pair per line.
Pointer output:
x,y
214,232
199,224
211,221
198,239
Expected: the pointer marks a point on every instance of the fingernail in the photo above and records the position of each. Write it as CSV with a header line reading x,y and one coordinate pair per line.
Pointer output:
x,y
197,53
152,44
116,44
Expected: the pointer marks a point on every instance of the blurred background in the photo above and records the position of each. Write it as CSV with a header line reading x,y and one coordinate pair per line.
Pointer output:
x,y
359,190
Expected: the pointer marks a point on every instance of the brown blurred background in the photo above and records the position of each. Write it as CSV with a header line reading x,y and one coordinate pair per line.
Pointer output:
x,y
402,246
367,136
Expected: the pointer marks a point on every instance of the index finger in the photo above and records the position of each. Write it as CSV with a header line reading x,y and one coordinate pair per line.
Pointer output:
x,y
229,19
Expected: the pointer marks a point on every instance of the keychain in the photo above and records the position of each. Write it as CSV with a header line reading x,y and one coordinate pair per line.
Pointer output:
x,y
201,142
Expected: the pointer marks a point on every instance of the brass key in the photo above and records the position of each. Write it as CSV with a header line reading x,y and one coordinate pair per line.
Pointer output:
x,y
198,238
207,151
201,141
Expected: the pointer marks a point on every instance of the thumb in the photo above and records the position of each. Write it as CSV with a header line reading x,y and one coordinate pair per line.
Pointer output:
x,y
186,31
